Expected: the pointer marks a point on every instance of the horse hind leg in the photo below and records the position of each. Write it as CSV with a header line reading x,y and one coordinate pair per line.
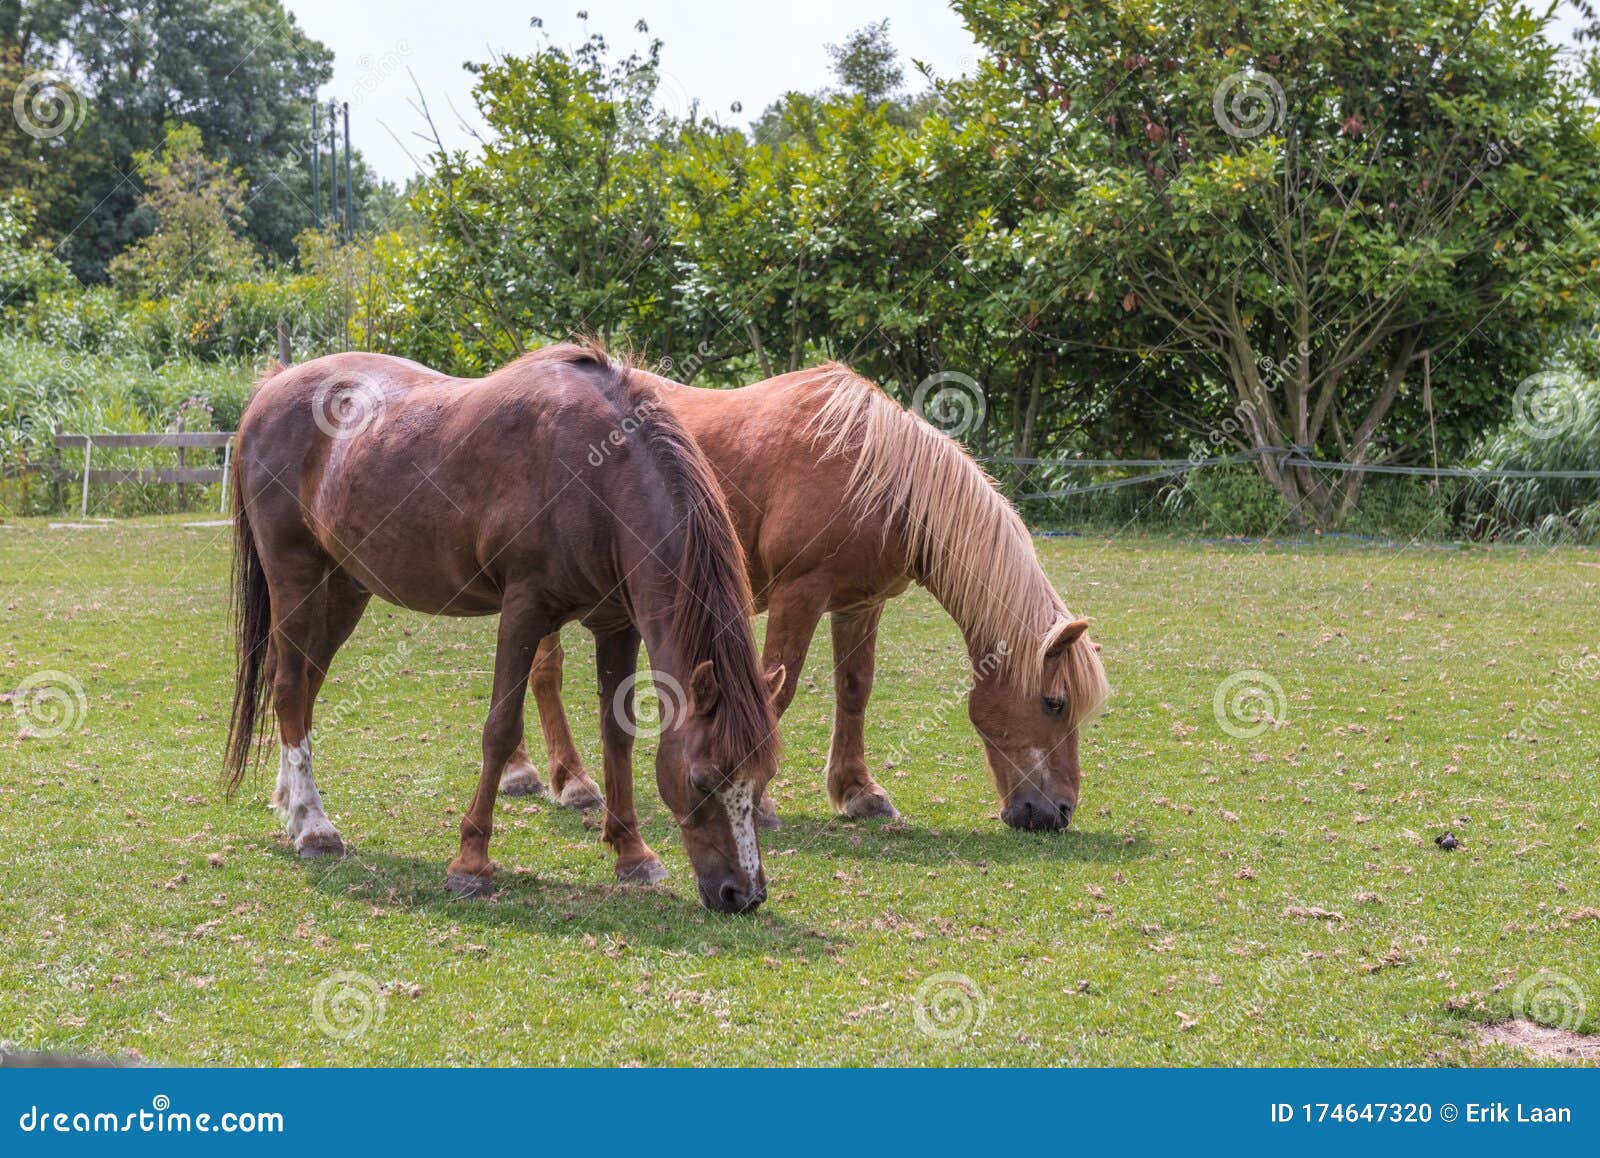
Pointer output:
x,y
304,640
570,786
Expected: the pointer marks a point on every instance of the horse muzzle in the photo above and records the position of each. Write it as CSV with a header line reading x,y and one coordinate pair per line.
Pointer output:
x,y
727,896
1032,811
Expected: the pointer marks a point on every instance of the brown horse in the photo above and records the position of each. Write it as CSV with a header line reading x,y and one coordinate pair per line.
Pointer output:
x,y
842,498
359,474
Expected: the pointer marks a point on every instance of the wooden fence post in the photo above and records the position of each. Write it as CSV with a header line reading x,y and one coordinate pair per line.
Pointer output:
x,y
183,464
58,499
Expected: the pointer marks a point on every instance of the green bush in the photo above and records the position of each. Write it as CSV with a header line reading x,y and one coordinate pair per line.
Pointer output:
x,y
43,388
1555,427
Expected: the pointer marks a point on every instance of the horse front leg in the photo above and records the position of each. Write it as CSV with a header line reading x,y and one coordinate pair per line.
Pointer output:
x,y
851,787
522,626
616,658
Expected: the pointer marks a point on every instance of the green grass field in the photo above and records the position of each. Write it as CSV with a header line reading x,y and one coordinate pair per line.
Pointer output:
x,y
1221,900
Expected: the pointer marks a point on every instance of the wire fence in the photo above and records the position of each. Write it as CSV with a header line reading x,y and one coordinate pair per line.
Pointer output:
x,y
1288,457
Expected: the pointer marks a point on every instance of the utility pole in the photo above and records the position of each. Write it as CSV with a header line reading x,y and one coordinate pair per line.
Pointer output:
x,y
333,162
316,173
349,200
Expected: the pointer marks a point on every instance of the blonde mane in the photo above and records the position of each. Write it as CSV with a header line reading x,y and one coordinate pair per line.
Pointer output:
x,y
964,541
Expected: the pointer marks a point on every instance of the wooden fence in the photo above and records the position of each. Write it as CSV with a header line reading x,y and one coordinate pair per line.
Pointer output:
x,y
183,474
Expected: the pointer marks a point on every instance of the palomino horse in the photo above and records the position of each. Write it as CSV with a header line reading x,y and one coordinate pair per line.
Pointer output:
x,y
359,474
842,498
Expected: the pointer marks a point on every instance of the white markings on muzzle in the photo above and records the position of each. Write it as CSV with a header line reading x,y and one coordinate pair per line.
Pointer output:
x,y
739,802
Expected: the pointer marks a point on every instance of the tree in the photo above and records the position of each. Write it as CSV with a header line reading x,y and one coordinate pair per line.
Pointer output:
x,y
1316,208
867,63
556,225
241,71
197,209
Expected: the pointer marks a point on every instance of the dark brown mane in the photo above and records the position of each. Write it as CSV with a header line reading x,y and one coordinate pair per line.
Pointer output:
x,y
712,604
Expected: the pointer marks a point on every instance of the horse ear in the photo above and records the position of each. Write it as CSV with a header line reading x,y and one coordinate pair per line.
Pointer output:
x,y
1062,636
775,679
703,688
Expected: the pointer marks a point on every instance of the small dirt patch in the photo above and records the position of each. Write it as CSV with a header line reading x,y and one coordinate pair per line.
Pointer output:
x,y
1543,1041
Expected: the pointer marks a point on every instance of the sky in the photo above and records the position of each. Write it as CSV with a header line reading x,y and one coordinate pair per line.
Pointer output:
x,y
716,51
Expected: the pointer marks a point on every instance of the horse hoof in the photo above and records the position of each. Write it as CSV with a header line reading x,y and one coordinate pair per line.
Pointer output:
x,y
522,782
581,795
318,842
468,885
870,803
644,872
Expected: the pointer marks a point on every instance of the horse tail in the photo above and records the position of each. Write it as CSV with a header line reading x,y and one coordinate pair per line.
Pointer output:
x,y
252,630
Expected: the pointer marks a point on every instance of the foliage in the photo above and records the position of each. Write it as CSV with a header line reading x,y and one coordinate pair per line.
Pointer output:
x,y
45,387
1564,436
867,63
195,205
242,72
1301,205
27,270
555,227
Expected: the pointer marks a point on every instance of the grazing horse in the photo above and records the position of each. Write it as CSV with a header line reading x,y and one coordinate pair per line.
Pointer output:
x,y
360,474
842,498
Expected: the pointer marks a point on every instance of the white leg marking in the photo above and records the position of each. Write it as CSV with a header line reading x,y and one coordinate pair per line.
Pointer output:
x,y
303,803
738,801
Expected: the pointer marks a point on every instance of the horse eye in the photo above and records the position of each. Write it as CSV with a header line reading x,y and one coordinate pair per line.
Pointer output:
x,y
1054,706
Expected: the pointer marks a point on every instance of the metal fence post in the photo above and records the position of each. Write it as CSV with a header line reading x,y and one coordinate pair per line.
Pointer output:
x,y
88,459
227,457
